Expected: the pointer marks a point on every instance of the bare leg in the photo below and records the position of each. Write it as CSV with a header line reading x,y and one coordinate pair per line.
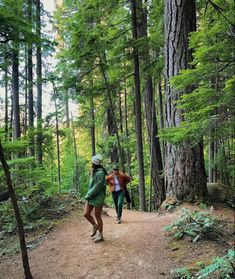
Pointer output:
x,y
99,220
87,213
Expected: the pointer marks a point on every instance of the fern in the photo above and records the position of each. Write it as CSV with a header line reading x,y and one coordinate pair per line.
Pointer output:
x,y
181,273
221,267
193,224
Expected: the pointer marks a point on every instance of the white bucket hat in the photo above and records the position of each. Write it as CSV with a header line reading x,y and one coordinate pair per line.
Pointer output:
x,y
97,159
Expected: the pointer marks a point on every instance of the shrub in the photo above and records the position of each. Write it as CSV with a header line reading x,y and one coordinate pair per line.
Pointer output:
x,y
194,224
220,268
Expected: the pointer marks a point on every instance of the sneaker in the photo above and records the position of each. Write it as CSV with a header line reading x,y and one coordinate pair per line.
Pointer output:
x,y
99,237
94,230
118,221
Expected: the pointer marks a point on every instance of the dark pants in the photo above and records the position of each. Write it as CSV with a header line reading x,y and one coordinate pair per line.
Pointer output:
x,y
127,196
118,198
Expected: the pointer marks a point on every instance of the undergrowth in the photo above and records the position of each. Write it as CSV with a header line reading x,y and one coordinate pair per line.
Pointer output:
x,y
37,212
220,268
195,225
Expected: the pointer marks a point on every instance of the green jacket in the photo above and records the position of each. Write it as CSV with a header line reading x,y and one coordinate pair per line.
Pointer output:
x,y
97,188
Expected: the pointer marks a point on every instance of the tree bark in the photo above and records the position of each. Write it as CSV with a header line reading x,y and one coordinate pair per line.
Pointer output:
x,y
150,112
67,109
57,139
112,110
30,87
15,90
211,161
112,130
161,105
92,129
139,140
161,112
121,126
24,253
128,155
25,120
11,119
76,169
184,168
6,121
39,83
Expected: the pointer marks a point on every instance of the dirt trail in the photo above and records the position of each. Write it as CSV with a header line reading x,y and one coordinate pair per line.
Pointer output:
x,y
135,249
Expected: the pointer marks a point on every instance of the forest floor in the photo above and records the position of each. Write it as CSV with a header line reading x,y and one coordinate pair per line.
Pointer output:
x,y
138,248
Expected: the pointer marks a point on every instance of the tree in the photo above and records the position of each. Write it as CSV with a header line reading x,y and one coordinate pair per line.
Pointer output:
x,y
92,128
138,108
185,171
30,84
39,82
24,253
15,90
209,108
55,95
150,113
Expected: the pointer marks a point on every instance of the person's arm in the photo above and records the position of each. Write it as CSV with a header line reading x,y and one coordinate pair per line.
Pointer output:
x,y
97,187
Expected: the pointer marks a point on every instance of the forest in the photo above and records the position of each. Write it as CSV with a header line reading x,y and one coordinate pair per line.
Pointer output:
x,y
148,84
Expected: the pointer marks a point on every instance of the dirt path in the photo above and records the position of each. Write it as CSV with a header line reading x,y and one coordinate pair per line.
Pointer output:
x,y
135,249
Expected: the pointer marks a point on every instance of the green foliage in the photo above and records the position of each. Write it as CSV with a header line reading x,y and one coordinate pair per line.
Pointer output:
x,y
212,76
196,225
220,268
181,273
15,146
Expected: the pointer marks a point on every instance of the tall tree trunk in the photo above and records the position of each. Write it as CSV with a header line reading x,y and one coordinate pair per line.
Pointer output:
x,y
57,139
92,129
121,125
6,121
127,132
111,107
185,171
76,169
215,153
11,118
128,156
161,112
67,109
150,113
25,122
112,130
139,140
15,90
211,161
15,206
30,87
39,83
120,110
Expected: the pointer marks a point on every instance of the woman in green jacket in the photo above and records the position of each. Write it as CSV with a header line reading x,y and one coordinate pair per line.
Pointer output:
x,y
95,197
